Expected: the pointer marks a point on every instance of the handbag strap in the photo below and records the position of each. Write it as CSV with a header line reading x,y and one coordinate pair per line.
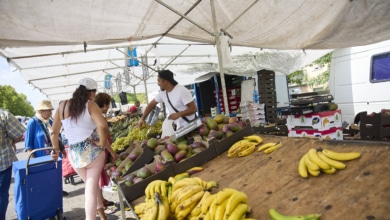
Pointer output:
x,y
45,130
184,117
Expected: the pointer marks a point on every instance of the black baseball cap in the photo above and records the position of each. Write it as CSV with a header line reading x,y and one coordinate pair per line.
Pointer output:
x,y
167,75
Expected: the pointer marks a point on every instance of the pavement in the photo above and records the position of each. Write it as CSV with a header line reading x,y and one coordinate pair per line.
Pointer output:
x,y
73,203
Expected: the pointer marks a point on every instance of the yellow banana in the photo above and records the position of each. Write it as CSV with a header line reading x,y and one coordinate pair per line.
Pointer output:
x,y
213,209
194,170
211,184
333,163
176,193
313,172
163,209
313,156
181,176
341,156
265,146
254,138
150,189
235,148
247,151
164,188
332,170
184,182
185,195
205,206
185,207
197,210
153,212
220,211
169,194
224,194
235,199
309,163
239,212
171,180
302,169
272,149
277,216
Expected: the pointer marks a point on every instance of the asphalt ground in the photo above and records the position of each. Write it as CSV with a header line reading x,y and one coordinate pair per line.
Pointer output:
x,y
73,203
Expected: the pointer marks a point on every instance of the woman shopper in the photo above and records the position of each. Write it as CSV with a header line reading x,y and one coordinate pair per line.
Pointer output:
x,y
103,100
86,130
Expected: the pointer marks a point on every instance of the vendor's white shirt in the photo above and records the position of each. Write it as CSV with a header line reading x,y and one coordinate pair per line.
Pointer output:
x,y
179,97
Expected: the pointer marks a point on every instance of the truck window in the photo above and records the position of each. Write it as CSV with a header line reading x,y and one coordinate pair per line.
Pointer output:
x,y
380,68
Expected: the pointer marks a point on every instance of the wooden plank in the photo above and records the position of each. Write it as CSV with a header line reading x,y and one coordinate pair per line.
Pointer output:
x,y
361,191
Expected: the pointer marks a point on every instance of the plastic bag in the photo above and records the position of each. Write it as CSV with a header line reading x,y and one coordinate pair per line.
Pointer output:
x,y
167,128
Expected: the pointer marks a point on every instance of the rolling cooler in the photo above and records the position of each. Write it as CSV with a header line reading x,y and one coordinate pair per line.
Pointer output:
x,y
38,188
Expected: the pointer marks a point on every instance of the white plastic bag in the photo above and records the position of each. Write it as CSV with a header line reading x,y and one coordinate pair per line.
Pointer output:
x,y
167,128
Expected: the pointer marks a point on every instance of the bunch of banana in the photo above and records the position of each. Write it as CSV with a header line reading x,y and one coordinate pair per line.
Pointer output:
x,y
269,147
274,215
242,148
323,160
254,138
157,186
227,204
155,209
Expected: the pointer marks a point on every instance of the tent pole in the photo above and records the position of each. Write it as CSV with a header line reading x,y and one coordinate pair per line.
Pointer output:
x,y
221,71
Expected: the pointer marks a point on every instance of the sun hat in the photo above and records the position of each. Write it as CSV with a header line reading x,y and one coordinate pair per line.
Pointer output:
x,y
44,105
89,83
167,75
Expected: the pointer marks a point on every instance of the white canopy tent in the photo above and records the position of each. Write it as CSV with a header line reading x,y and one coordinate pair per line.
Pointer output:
x,y
56,43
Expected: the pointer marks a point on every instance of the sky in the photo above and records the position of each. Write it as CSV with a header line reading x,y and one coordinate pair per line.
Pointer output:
x,y
10,76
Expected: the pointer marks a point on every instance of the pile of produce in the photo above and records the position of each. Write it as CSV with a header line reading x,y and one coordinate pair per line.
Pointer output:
x,y
219,127
323,160
191,198
175,150
134,132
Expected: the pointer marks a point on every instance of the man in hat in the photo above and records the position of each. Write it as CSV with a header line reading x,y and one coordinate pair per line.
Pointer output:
x,y
177,99
39,128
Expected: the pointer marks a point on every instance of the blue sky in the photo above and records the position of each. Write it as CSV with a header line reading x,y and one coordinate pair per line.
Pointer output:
x,y
8,76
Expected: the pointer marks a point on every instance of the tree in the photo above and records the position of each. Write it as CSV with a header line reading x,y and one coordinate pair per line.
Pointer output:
x,y
16,103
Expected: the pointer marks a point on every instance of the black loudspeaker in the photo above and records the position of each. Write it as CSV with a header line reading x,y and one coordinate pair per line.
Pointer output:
x,y
123,98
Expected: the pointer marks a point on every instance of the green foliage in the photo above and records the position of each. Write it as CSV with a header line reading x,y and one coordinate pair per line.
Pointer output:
x,y
141,97
16,103
325,60
319,80
297,77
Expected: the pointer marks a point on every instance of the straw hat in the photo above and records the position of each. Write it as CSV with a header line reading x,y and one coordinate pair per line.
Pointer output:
x,y
44,105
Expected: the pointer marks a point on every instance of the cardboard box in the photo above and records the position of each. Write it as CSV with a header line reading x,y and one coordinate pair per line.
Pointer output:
x,y
321,121
224,144
197,159
138,189
145,157
331,134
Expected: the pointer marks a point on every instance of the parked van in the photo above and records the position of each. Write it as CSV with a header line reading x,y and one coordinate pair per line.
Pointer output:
x,y
360,80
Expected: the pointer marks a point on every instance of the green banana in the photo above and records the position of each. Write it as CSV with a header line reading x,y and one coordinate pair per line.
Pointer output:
x,y
277,216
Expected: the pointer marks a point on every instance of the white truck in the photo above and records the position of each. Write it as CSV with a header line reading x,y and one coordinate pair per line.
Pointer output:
x,y
360,80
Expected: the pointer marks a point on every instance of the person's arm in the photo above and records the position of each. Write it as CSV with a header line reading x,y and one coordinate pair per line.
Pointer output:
x,y
29,136
101,123
55,133
191,109
148,109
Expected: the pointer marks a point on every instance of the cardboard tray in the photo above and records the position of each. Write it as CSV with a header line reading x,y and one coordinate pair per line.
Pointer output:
x,y
144,158
137,190
223,145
